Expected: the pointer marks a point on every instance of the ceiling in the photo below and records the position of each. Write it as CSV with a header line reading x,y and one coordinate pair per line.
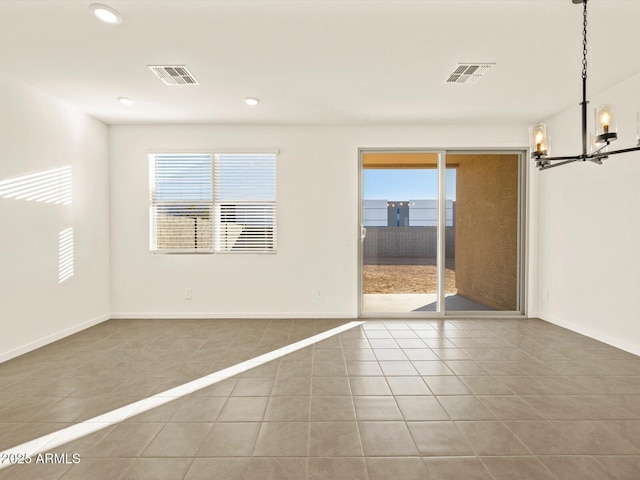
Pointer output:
x,y
319,62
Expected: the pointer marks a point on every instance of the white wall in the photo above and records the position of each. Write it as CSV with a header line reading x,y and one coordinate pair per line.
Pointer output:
x,y
589,220
37,134
317,219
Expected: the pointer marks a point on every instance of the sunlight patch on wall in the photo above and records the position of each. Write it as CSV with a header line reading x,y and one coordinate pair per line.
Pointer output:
x,y
65,255
50,186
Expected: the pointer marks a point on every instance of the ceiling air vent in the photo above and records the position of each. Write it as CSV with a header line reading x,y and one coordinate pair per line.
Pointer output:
x,y
469,72
174,74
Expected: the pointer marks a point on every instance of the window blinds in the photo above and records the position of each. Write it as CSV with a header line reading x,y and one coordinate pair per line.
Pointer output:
x,y
181,203
245,202
223,203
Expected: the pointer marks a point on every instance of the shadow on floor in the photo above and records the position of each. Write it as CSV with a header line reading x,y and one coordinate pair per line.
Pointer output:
x,y
456,303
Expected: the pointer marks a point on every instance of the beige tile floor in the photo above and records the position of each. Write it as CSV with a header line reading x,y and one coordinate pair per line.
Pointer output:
x,y
424,399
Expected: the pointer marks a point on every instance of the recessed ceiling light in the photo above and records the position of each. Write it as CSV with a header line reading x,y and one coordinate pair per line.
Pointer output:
x,y
126,101
252,101
106,13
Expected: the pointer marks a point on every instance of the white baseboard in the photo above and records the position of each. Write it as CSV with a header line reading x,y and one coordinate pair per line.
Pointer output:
x,y
243,315
4,356
602,337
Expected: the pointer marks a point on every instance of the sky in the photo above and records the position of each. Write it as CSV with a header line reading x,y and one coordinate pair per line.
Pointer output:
x,y
407,184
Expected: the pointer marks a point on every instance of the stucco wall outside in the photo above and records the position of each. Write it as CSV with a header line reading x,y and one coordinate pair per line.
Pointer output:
x,y
487,229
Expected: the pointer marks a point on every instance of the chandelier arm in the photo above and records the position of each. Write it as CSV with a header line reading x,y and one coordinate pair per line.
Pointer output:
x,y
615,152
547,167
557,159
600,148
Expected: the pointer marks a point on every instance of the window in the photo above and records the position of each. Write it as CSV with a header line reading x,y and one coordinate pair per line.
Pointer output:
x,y
223,203
245,202
181,203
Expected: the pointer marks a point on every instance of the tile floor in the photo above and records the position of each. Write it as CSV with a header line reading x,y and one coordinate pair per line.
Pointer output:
x,y
424,399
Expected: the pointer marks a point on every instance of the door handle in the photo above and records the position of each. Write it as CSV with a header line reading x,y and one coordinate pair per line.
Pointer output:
x,y
363,232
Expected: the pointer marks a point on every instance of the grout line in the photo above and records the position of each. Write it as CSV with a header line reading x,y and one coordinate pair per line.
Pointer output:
x,y
78,430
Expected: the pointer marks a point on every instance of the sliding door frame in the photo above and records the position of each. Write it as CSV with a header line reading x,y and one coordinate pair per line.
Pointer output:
x,y
522,244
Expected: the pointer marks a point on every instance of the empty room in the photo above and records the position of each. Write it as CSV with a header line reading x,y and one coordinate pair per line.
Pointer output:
x,y
318,240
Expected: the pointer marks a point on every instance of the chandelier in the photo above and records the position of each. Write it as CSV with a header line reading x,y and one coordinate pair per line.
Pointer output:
x,y
605,131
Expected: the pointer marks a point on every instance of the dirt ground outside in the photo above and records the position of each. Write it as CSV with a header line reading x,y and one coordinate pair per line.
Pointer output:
x,y
405,279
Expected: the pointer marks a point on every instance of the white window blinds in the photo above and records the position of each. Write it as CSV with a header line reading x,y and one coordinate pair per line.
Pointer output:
x,y
203,203
181,203
245,202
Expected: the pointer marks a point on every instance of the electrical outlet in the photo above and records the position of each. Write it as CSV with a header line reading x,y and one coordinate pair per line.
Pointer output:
x,y
188,294
319,294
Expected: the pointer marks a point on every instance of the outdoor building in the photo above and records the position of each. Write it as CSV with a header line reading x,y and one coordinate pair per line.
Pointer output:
x,y
405,213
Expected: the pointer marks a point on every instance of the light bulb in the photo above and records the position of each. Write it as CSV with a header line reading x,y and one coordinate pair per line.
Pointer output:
x,y
605,119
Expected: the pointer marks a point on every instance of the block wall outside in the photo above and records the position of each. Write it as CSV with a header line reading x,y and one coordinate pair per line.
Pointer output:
x,y
409,242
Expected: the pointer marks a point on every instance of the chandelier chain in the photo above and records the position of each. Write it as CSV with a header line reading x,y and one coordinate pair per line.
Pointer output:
x,y
584,42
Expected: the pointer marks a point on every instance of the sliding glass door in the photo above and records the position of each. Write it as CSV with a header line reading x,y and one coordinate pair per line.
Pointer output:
x,y
400,212
440,232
